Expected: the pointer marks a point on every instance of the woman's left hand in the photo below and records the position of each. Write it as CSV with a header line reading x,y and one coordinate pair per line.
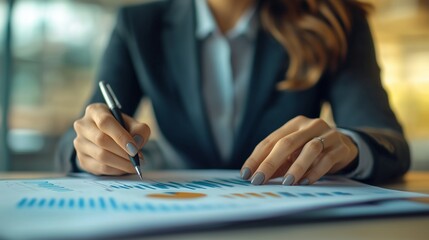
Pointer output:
x,y
303,150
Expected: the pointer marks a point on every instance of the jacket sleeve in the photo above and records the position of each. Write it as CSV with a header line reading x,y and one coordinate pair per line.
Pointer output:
x,y
359,103
116,68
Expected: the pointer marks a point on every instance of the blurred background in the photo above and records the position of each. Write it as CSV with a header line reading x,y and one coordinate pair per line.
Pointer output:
x,y
49,53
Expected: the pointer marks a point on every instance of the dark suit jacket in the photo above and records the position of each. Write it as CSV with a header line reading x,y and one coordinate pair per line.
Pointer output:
x,y
153,53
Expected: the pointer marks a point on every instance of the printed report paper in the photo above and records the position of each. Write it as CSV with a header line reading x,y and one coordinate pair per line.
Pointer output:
x,y
91,206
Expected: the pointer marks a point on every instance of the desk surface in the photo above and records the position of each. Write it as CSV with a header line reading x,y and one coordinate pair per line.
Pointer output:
x,y
405,227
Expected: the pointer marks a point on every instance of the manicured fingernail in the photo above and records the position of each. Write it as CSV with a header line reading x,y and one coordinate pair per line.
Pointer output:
x,y
132,150
288,180
138,139
245,173
258,179
304,181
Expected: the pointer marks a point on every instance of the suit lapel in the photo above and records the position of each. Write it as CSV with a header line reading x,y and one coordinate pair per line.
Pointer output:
x,y
182,61
269,59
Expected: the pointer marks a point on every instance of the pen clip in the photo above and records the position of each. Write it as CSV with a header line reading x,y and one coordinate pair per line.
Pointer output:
x,y
107,97
118,104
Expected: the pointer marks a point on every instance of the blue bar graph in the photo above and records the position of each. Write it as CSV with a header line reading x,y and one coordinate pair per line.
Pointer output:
x,y
306,194
287,194
113,205
61,203
52,202
284,194
48,185
323,194
342,193
192,185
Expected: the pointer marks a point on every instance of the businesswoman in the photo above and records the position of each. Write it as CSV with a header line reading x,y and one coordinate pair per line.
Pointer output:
x,y
239,85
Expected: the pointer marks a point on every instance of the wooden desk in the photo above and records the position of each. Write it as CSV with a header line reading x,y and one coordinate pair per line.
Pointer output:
x,y
406,227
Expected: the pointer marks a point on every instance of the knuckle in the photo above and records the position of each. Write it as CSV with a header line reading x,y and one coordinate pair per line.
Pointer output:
x,y
100,139
350,151
285,143
77,125
266,144
335,133
104,121
314,146
346,150
143,128
95,107
100,154
146,129
104,169
269,166
82,163
337,136
318,122
300,118
76,143
91,108
330,157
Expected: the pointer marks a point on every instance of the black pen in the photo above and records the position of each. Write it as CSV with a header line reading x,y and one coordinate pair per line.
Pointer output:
x,y
115,108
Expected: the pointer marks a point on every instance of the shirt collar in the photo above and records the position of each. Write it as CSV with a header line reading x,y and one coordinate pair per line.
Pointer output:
x,y
247,25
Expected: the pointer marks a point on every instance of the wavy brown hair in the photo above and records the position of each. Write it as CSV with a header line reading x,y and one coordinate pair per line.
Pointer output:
x,y
314,33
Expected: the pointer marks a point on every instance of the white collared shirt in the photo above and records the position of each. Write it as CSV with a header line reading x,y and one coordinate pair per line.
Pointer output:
x,y
226,62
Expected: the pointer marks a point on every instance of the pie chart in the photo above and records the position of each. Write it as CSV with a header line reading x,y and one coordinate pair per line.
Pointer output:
x,y
176,195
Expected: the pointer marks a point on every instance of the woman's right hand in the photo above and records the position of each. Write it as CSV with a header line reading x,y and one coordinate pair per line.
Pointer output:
x,y
103,145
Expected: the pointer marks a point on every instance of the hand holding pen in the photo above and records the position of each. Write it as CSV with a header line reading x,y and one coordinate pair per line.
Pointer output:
x,y
105,145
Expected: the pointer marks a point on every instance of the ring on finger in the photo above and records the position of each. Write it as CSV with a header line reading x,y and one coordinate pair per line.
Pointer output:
x,y
322,141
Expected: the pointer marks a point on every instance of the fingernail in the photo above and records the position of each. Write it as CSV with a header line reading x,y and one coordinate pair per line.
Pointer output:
x,y
288,180
304,181
258,179
132,150
138,139
245,173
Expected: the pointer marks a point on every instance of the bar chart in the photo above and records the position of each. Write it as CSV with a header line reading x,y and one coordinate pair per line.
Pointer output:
x,y
47,185
163,200
176,195
113,204
284,194
214,183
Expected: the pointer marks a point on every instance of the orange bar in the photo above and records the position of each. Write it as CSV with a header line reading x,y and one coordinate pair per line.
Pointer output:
x,y
256,195
271,194
240,195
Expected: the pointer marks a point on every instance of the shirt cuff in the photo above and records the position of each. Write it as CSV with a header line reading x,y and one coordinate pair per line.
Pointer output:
x,y
365,161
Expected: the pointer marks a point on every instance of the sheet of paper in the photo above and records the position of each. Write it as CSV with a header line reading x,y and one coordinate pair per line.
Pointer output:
x,y
102,206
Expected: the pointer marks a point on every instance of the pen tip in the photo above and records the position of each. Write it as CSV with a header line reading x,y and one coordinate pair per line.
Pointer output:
x,y
139,172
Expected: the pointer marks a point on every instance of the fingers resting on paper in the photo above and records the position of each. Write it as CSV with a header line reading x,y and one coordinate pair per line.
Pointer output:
x,y
302,151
